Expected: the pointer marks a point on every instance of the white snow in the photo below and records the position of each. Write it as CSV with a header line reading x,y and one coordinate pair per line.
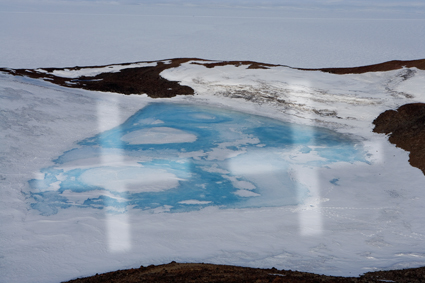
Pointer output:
x,y
131,178
414,86
358,217
91,72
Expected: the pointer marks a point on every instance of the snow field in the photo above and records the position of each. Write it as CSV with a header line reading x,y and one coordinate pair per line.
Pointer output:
x,y
365,216
65,34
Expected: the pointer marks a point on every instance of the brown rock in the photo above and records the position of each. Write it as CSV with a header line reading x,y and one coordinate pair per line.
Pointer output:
x,y
406,129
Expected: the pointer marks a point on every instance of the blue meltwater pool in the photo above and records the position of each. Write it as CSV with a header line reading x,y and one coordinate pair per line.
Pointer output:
x,y
178,157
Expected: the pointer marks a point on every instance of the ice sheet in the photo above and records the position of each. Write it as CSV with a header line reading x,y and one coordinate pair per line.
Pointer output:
x,y
231,164
88,33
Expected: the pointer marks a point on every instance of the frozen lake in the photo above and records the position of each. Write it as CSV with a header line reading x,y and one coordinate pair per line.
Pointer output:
x,y
122,181
178,157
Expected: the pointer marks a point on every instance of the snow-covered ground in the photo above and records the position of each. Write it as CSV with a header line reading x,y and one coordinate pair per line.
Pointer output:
x,y
359,216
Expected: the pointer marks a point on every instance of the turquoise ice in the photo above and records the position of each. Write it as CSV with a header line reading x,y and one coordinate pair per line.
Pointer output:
x,y
179,157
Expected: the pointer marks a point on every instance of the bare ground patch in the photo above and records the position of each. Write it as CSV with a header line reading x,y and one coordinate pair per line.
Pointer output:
x,y
208,273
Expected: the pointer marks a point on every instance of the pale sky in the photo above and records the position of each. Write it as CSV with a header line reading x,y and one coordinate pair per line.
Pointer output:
x,y
348,8
309,33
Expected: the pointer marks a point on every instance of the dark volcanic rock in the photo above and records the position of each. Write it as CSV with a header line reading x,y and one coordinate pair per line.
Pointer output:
x,y
131,80
406,129
140,80
135,81
208,273
381,67
250,64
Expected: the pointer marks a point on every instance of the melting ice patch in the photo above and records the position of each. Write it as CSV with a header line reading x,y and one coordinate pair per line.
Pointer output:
x,y
158,135
185,157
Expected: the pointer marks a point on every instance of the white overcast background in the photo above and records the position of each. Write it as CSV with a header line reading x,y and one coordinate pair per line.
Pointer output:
x,y
37,33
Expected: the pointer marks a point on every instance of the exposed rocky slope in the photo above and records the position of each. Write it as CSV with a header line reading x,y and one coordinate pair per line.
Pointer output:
x,y
147,80
406,129
198,272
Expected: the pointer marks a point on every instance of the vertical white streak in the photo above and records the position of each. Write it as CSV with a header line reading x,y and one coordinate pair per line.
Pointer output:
x,y
118,229
117,225
310,218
